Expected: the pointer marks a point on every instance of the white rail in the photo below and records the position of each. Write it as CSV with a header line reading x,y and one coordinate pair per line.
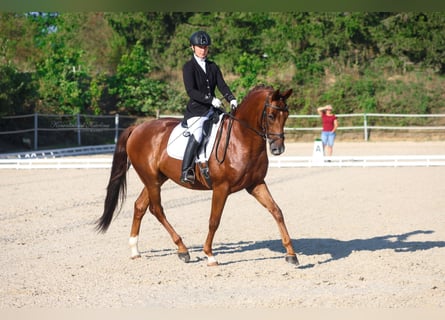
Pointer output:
x,y
65,152
360,161
56,163
275,162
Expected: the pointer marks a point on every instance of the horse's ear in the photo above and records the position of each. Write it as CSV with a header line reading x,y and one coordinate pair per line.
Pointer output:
x,y
276,95
287,94
283,96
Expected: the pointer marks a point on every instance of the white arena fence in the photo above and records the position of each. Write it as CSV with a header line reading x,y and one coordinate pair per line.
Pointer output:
x,y
82,128
56,158
359,161
56,163
274,162
366,122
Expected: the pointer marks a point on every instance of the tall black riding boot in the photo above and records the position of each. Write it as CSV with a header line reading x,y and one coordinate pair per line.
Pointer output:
x,y
188,172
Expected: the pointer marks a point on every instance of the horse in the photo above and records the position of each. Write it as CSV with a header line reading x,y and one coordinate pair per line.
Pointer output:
x,y
239,160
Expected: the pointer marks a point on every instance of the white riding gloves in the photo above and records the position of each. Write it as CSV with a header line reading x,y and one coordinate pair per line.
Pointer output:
x,y
216,102
233,104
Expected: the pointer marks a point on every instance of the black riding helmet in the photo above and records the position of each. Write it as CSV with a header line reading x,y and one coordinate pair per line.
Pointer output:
x,y
200,38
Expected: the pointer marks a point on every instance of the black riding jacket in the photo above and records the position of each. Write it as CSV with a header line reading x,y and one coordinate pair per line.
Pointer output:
x,y
200,87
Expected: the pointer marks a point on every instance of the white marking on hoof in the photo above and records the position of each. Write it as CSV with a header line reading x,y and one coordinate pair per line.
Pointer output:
x,y
211,261
133,242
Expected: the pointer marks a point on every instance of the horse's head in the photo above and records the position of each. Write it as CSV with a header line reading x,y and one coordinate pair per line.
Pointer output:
x,y
264,111
274,117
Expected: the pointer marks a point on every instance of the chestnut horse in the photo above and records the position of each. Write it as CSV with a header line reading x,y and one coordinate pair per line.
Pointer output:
x,y
238,161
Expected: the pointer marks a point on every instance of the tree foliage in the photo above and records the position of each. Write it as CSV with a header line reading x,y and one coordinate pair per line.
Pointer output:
x,y
137,93
96,62
15,90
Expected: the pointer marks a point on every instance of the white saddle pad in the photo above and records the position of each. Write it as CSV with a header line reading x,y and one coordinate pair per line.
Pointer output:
x,y
178,141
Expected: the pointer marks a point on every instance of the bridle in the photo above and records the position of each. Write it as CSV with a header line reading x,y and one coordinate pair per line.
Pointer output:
x,y
264,133
264,123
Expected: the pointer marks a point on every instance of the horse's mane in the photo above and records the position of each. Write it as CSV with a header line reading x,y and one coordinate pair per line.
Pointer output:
x,y
260,87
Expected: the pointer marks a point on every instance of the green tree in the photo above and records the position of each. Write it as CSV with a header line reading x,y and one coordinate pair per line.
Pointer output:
x,y
359,54
18,47
79,53
155,31
17,91
249,67
414,37
92,34
63,81
137,93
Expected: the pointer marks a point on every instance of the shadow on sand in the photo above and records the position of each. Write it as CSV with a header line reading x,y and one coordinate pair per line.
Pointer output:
x,y
336,249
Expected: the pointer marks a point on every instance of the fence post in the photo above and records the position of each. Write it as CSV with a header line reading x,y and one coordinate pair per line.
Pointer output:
x,y
116,126
365,126
36,130
79,142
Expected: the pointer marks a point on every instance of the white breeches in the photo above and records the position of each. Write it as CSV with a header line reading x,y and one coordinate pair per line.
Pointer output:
x,y
195,125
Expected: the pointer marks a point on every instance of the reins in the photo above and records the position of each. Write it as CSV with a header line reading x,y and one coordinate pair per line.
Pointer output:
x,y
218,138
246,125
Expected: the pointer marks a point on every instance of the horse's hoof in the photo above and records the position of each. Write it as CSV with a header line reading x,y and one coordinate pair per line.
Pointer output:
x,y
135,257
212,262
292,260
184,256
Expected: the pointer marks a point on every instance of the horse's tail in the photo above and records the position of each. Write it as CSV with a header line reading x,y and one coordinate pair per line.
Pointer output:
x,y
117,185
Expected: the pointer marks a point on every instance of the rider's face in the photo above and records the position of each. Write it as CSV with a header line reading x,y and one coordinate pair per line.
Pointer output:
x,y
201,51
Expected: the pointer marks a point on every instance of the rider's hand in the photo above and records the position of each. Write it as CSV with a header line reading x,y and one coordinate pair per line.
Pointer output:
x,y
216,102
233,104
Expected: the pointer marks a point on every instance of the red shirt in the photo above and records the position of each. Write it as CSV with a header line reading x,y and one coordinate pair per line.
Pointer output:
x,y
328,121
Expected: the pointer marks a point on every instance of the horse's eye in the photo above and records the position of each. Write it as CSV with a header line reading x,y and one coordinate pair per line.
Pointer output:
x,y
271,117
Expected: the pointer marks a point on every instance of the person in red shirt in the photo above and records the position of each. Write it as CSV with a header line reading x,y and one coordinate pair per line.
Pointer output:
x,y
330,125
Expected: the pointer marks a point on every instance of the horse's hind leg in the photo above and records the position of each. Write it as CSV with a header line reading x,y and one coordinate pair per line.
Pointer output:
x,y
158,211
140,207
262,194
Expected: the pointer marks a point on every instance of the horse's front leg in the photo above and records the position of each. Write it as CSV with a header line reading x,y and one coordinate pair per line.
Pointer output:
x,y
262,194
219,198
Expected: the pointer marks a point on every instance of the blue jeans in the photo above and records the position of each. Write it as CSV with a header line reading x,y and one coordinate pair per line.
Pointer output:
x,y
327,138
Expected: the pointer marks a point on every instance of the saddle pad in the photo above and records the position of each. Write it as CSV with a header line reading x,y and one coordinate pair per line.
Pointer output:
x,y
178,141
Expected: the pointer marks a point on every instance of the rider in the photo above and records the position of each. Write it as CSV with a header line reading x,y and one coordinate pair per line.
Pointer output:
x,y
201,77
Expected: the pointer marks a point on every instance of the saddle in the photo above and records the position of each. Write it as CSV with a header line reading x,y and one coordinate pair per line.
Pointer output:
x,y
179,137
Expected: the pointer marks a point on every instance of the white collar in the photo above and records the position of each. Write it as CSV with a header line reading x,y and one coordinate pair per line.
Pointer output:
x,y
201,62
199,59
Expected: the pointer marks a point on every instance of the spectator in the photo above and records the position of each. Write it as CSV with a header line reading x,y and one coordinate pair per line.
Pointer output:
x,y
330,125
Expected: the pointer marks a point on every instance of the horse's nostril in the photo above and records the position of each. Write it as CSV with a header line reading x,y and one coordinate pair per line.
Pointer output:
x,y
277,150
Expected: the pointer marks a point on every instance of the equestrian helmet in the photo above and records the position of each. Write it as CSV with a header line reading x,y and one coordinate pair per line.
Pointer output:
x,y
200,38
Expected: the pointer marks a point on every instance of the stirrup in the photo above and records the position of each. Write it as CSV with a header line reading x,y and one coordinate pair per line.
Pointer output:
x,y
204,168
188,176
